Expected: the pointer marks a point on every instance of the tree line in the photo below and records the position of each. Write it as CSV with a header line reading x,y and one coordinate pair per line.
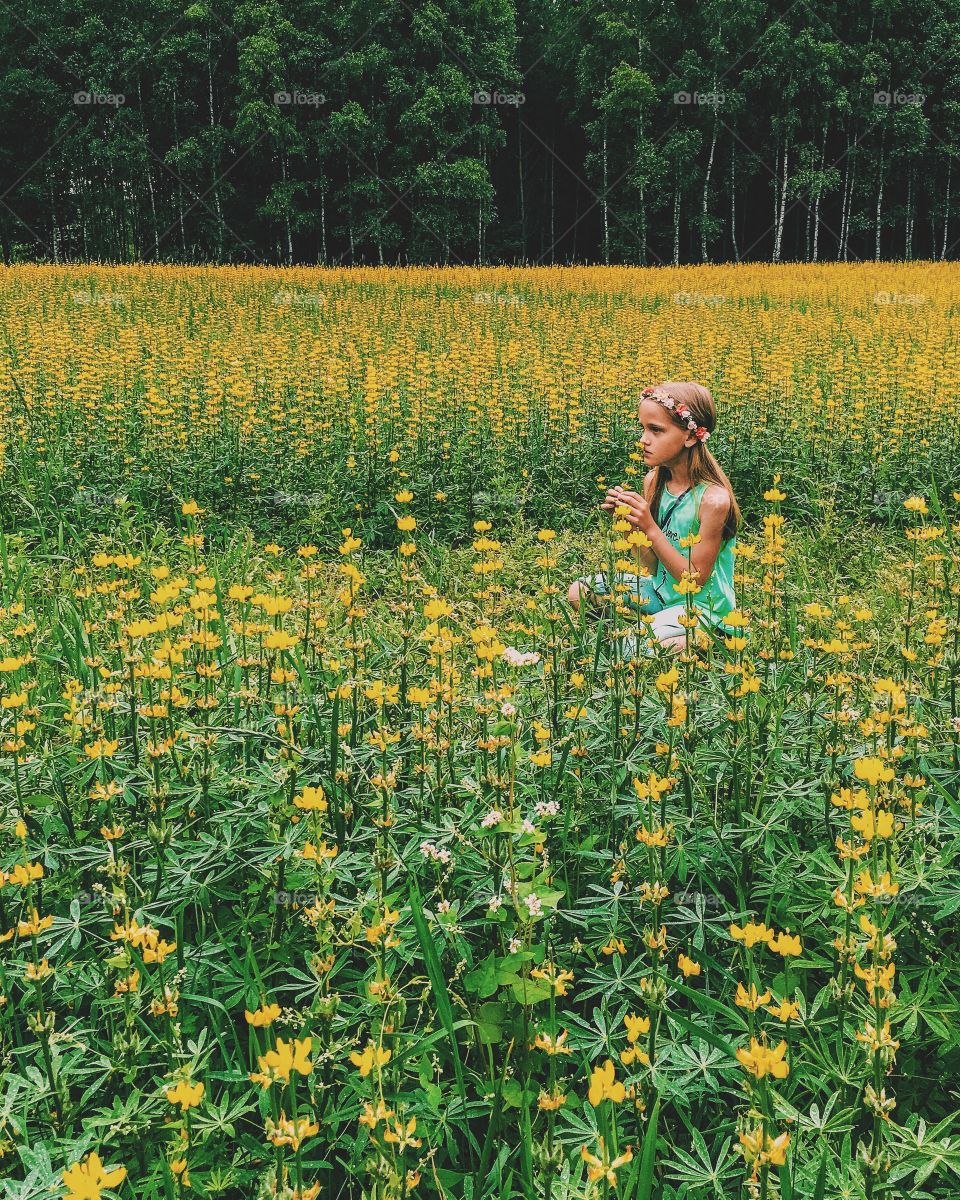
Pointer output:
x,y
479,131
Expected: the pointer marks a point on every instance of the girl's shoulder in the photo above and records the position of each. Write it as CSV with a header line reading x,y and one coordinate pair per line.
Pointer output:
x,y
714,498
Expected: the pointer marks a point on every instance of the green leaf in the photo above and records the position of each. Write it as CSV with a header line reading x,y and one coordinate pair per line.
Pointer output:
x,y
435,972
482,980
642,1177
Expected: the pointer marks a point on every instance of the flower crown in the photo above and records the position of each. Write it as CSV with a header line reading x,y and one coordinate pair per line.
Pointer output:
x,y
678,408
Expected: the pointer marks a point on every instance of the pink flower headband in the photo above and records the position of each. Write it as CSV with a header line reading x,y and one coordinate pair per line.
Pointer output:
x,y
678,408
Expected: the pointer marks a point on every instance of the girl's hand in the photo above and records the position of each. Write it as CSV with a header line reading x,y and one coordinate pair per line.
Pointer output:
x,y
612,498
639,515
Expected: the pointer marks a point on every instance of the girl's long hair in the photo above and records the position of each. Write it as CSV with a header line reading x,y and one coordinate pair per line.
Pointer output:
x,y
701,464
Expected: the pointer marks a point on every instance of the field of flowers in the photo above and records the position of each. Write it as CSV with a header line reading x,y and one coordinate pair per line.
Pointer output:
x,y
339,857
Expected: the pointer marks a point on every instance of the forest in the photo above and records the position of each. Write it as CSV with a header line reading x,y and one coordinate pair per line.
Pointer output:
x,y
480,133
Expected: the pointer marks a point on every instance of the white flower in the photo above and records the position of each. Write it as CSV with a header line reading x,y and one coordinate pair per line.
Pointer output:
x,y
547,808
443,906
495,904
528,826
508,710
514,945
492,818
534,907
955,722
519,658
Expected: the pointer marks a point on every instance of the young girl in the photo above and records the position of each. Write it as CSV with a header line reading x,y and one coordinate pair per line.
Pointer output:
x,y
684,492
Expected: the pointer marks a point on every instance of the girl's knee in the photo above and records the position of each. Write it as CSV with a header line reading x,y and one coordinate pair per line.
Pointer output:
x,y
574,592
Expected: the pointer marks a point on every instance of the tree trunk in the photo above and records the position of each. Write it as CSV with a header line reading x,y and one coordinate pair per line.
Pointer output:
x,y
553,204
876,251
215,171
733,202
323,227
176,142
606,215
286,209
54,231
841,245
153,202
676,222
350,212
946,212
908,240
778,240
523,201
816,202
706,188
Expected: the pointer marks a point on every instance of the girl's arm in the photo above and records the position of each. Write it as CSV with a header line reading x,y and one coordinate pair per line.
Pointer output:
x,y
618,496
714,507
647,556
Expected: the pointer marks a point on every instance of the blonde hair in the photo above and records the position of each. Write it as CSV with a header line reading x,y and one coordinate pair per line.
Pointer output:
x,y
701,464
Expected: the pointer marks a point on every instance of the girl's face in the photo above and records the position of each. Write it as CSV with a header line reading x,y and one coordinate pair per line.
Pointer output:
x,y
661,439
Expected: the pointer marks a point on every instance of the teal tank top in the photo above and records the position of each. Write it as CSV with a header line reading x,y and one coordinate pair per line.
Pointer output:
x,y
679,516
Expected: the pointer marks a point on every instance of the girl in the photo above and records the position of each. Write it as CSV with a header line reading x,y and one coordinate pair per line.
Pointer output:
x,y
686,491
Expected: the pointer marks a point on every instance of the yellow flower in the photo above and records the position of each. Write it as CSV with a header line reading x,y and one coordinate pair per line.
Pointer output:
x,y
786,1010
688,966
750,934
312,799
190,508
101,748
403,497
558,980
372,1056
915,504
550,1045
546,535
761,1060
290,1132
636,1026
277,1064
786,944
279,639
774,493
85,1180
402,1136
551,1101
872,771
603,1167
265,1015
751,1000
604,1085
186,1094
406,523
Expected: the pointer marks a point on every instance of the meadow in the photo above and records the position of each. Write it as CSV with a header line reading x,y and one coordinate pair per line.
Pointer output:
x,y
340,858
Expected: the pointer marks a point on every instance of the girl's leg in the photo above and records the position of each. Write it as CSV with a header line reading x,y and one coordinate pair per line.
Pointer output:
x,y
667,629
588,589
